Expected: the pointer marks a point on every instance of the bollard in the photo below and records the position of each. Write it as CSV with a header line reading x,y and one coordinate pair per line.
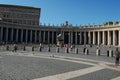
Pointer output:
x,y
70,49
57,50
32,48
40,49
24,48
86,51
98,52
48,49
107,53
66,50
76,50
15,48
7,47
110,53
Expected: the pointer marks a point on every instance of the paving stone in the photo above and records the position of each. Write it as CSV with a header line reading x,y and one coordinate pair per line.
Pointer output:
x,y
105,74
27,68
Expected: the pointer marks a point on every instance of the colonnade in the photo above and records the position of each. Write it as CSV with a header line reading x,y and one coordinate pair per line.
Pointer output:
x,y
109,37
105,37
27,35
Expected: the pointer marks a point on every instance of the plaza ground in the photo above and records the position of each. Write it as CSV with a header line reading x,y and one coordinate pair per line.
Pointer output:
x,y
36,65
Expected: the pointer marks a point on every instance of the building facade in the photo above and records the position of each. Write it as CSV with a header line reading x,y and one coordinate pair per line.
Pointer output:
x,y
21,24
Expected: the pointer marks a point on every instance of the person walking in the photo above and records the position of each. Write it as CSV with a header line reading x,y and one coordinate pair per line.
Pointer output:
x,y
15,47
117,56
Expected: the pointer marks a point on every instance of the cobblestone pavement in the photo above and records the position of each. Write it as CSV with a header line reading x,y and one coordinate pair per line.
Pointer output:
x,y
28,65
104,74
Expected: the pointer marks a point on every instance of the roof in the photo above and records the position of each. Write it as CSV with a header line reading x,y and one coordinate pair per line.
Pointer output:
x,y
18,6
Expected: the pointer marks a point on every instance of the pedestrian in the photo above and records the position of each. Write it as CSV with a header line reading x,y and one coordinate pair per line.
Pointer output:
x,y
84,48
67,47
15,47
117,56
40,45
71,47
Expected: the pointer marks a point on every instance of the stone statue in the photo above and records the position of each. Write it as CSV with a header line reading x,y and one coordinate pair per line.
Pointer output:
x,y
59,40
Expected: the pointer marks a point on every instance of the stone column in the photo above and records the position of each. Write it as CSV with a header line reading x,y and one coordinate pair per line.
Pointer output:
x,y
21,35
119,37
103,37
89,36
71,37
98,37
84,38
17,35
80,37
44,37
48,37
26,35
63,37
108,37
114,38
52,37
39,36
93,37
1,34
6,34
31,36
76,38
12,34
35,36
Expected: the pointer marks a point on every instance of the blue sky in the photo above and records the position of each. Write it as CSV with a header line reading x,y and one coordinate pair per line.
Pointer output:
x,y
80,12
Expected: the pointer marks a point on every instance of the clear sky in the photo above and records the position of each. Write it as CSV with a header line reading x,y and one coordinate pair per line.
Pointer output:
x,y
81,12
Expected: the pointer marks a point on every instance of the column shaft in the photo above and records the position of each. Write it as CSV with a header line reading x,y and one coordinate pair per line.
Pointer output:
x,y
52,37
17,35
35,36
98,37
39,36
12,34
71,37
89,36
21,35
84,38
103,37
48,37
108,37
76,38
93,37
63,37
31,36
1,36
6,34
114,38
44,37
119,37
26,35
80,37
